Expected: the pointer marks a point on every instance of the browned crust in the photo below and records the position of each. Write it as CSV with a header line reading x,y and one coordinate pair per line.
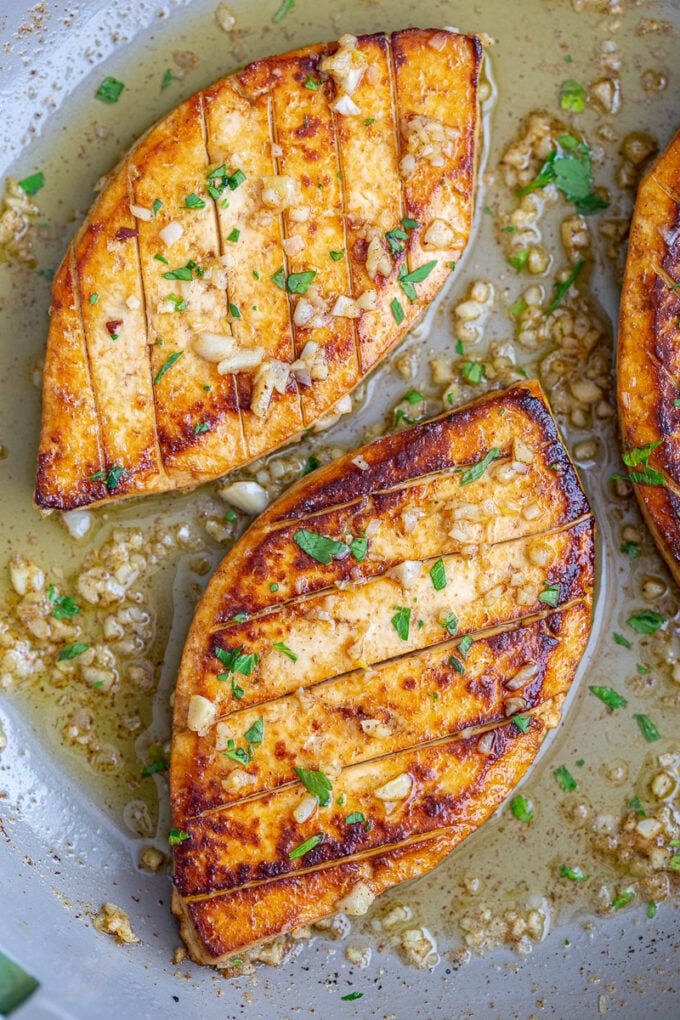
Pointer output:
x,y
648,362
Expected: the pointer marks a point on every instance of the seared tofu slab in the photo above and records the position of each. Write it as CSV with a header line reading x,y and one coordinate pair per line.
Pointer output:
x,y
373,668
648,361
252,258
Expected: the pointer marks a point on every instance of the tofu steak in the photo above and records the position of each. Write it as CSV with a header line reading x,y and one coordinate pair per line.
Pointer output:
x,y
252,258
373,668
648,361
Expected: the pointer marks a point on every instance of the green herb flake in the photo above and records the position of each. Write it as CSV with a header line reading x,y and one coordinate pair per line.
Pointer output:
x,y
414,397
351,996
639,454
273,587
354,817
401,621
94,298
235,661
517,307
319,547
192,201
647,727
519,260
522,808
234,235
622,899
651,909
109,91
177,836
621,640
280,647
313,84
110,477
551,594
179,303
457,664
397,311
647,621
464,645
201,427
642,670
419,274
71,651
459,347
311,464
358,547
337,255
674,863
182,273
645,476
166,80
233,311
33,183
316,783
162,258
572,96
562,288
637,807
473,372
341,800
299,283
169,362
438,575
564,778
286,7
611,698
573,874
474,473
304,848
450,624
156,766
231,514
522,722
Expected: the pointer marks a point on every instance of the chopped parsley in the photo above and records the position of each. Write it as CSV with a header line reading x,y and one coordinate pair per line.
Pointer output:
x,y
110,477
639,454
281,647
570,169
219,179
438,575
407,280
94,298
394,239
304,848
279,278
621,640
522,808
562,288
71,651
473,372
319,547
157,206
162,258
234,235
647,621
273,587
337,255
450,623
253,737
359,547
33,183
316,783
647,728
401,621
572,96
193,201
235,661
519,260
354,817
564,778
200,427
651,909
183,272
397,311
622,899
109,91
351,996
637,807
523,723
177,836
457,664
611,698
311,464
234,311
299,283
166,79
474,473
550,596
573,874
169,362
517,307
179,303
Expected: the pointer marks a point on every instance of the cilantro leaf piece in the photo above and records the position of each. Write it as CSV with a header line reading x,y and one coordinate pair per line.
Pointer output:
x,y
33,183
647,727
622,899
473,372
177,836
522,722
354,817
337,255
621,640
522,808
562,288
319,547
313,84
647,621
169,362
573,874
193,201
316,783
299,283
281,647
71,651
109,91
551,595
438,575
359,547
236,662
564,778
304,848
65,607
474,473
572,96
111,477
401,621
611,698
639,454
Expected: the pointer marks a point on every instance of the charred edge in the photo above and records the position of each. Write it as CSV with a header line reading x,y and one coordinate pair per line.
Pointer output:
x,y
575,572
661,508
417,818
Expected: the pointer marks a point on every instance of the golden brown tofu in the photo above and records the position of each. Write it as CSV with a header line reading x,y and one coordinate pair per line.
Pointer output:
x,y
252,258
373,668
648,361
